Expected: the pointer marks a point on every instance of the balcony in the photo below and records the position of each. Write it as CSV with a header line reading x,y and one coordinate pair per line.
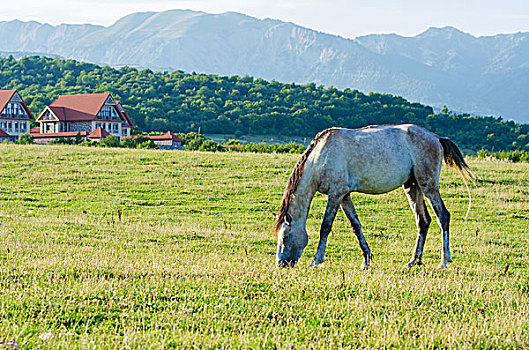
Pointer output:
x,y
13,116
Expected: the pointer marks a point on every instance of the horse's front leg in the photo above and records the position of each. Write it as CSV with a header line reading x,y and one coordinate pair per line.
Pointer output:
x,y
333,203
349,210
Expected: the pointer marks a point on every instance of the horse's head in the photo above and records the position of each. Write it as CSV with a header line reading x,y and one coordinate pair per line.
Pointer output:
x,y
292,238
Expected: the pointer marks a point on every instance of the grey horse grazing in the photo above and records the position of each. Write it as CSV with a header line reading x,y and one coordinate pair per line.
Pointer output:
x,y
374,160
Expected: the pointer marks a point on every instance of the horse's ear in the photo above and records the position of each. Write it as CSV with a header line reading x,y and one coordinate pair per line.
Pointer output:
x,y
288,219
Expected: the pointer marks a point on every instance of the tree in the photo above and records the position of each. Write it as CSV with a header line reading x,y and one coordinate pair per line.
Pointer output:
x,y
110,141
128,142
194,141
208,145
78,138
25,139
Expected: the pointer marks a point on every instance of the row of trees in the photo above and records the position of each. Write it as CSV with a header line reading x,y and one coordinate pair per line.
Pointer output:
x,y
197,142
192,141
140,141
238,105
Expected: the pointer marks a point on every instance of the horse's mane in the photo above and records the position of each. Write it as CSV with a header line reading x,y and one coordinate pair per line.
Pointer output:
x,y
295,178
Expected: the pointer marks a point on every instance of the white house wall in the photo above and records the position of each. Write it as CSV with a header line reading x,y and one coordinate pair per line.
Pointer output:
x,y
109,126
8,125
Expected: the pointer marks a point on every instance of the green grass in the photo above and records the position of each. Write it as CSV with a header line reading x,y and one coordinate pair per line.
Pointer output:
x,y
115,248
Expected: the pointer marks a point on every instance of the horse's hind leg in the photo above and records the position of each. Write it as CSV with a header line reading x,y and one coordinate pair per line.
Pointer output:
x,y
443,219
349,210
422,219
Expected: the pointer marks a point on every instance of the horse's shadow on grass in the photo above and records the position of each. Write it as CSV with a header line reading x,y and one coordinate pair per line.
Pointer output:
x,y
498,182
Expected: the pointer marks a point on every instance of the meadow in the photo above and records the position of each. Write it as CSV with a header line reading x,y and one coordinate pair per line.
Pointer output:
x,y
119,248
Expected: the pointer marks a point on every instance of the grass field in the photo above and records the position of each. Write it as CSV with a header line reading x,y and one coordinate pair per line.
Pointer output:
x,y
114,248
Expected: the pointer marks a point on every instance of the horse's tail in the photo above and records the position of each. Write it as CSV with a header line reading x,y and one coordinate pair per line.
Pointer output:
x,y
454,159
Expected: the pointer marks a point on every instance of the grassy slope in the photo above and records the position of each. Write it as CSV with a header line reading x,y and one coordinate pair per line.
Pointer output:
x,y
173,270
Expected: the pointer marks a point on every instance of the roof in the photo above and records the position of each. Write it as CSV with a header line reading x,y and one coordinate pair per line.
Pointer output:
x,y
98,133
4,134
167,136
125,115
78,107
7,95
35,130
59,134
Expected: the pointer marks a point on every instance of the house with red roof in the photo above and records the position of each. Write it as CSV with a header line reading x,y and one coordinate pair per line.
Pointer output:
x,y
167,141
15,117
84,114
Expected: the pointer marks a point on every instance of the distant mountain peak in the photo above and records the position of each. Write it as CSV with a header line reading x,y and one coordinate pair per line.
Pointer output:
x,y
447,32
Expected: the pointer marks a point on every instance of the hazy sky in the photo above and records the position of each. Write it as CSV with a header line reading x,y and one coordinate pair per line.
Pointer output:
x,y
348,18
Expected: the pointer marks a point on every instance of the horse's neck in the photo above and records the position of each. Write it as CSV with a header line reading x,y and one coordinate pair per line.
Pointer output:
x,y
299,207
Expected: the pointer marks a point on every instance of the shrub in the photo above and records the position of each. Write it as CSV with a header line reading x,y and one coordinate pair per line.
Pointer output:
x,y
513,156
110,141
25,139
208,145
149,144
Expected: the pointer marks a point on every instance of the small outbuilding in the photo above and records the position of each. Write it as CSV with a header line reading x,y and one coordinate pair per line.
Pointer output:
x,y
168,141
98,135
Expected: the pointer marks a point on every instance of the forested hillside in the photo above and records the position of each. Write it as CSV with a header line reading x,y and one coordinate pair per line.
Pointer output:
x,y
184,102
486,75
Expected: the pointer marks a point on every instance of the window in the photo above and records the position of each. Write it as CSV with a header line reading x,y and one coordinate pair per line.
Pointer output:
x,y
13,110
47,116
108,113
105,112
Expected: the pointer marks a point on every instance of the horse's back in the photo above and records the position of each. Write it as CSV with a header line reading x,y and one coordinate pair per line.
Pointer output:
x,y
375,159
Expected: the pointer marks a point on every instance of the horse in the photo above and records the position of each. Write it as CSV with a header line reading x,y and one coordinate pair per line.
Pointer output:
x,y
375,159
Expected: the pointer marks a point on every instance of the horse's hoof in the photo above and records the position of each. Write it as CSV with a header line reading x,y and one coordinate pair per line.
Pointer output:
x,y
314,264
365,267
408,265
442,266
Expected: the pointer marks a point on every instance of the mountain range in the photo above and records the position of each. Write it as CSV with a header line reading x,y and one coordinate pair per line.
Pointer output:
x,y
443,66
